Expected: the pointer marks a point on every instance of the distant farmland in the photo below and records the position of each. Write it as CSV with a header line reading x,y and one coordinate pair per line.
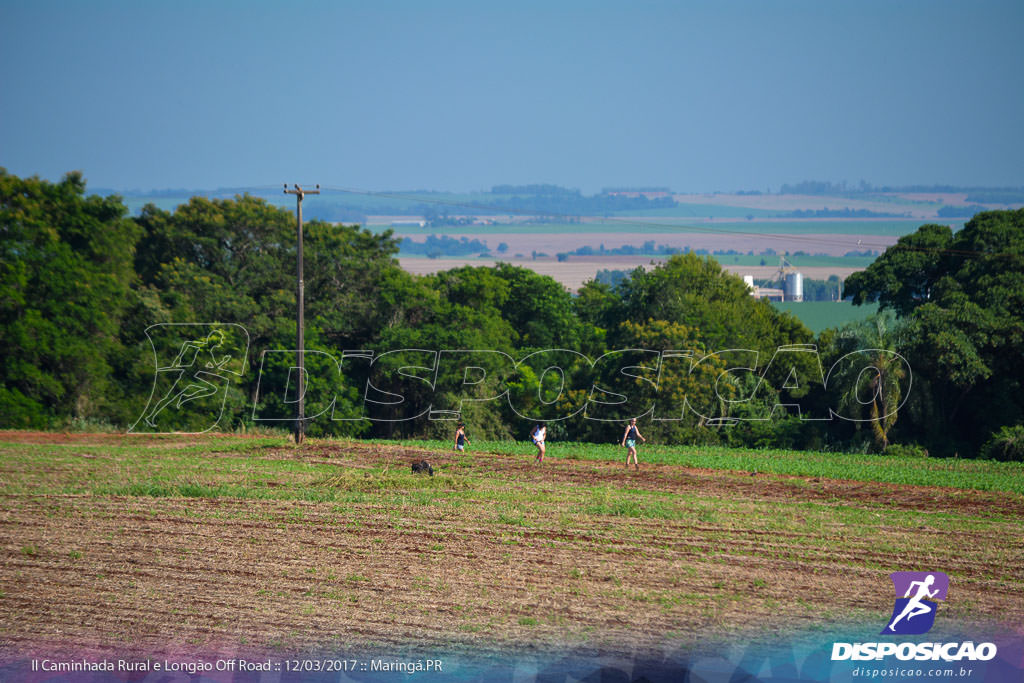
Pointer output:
x,y
820,235
577,270
696,227
553,241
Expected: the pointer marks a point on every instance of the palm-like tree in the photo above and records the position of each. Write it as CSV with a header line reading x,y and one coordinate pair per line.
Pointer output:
x,y
872,378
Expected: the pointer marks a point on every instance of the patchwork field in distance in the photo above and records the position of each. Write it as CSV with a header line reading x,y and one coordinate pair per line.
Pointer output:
x,y
157,543
537,247
573,273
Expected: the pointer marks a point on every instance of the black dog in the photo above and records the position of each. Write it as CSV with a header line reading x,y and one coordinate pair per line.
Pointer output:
x,y
422,466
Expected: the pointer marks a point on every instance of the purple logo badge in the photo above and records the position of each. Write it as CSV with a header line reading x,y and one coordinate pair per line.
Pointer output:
x,y
917,594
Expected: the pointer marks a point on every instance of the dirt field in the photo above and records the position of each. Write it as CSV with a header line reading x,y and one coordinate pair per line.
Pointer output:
x,y
491,553
579,269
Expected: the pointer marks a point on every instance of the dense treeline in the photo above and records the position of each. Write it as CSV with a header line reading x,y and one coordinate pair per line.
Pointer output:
x,y
86,290
436,246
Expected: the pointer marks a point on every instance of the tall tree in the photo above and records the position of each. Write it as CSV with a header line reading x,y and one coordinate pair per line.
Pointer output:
x,y
717,305
871,377
234,261
966,306
905,276
538,308
65,278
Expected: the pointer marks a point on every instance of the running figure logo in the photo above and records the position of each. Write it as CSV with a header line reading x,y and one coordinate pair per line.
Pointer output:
x,y
189,391
914,612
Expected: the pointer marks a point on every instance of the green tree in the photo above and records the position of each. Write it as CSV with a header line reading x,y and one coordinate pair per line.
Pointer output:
x,y
597,308
904,276
870,381
966,302
539,309
455,310
65,284
687,393
699,294
235,261
714,308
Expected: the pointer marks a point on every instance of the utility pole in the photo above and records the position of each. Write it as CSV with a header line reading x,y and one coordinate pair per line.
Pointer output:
x,y
300,416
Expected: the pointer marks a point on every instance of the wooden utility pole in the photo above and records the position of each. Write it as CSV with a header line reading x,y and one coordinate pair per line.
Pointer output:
x,y
300,412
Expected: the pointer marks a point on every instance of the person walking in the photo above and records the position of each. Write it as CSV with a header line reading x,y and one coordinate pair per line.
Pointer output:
x,y
539,434
460,437
629,439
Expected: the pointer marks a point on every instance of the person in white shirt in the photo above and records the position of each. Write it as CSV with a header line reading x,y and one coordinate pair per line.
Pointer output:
x,y
539,434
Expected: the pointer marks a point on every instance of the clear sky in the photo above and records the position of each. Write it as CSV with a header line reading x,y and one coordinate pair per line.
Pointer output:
x,y
380,94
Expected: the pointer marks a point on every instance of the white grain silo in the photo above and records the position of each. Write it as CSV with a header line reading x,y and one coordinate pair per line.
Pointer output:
x,y
794,287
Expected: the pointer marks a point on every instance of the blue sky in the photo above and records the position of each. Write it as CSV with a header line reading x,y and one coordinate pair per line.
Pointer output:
x,y
465,95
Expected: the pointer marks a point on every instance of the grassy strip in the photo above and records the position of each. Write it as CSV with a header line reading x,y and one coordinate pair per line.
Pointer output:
x,y
981,475
160,462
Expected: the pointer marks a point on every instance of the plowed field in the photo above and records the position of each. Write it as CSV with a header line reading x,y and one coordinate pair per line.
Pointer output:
x,y
158,544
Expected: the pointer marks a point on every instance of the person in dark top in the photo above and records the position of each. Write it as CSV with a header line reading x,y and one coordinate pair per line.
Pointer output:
x,y
629,441
460,438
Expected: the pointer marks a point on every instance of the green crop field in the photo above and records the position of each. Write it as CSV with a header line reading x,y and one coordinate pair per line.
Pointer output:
x,y
821,315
